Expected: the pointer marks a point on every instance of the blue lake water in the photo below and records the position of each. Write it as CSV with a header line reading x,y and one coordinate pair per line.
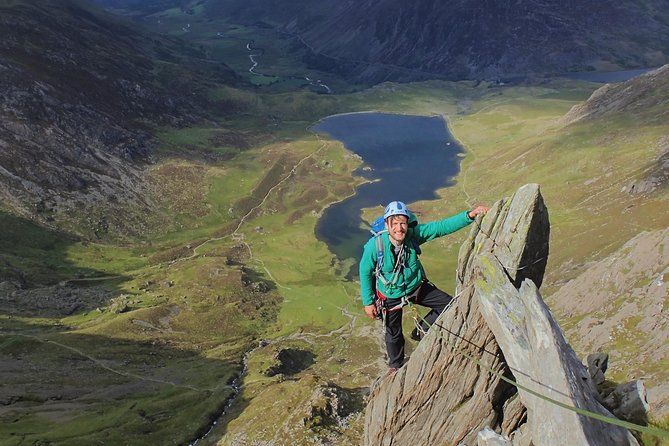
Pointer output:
x,y
410,157
607,76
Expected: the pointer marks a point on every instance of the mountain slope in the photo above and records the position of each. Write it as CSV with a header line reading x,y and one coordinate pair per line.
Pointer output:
x,y
468,38
643,100
80,92
605,175
473,39
617,299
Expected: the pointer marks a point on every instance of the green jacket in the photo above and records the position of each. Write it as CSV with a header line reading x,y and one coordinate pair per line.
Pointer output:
x,y
412,274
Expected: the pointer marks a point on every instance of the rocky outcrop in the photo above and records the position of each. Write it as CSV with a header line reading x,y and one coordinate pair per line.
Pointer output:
x,y
330,405
597,365
628,402
53,301
542,361
289,361
451,387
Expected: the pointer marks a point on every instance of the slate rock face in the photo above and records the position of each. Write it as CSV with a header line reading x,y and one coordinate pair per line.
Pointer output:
x,y
450,389
543,362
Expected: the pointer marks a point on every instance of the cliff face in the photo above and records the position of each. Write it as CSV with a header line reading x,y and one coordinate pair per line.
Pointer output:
x,y
450,389
79,94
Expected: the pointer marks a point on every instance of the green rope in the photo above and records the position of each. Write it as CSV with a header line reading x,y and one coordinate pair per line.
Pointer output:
x,y
587,413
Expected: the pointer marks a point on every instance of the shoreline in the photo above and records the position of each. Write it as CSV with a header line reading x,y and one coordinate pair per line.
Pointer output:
x,y
435,150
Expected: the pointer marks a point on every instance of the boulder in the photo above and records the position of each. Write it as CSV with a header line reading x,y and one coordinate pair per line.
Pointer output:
x,y
119,304
522,436
628,402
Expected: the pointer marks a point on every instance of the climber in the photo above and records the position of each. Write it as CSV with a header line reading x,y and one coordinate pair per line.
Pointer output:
x,y
391,273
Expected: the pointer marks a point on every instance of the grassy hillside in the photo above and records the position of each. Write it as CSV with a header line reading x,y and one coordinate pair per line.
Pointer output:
x,y
248,217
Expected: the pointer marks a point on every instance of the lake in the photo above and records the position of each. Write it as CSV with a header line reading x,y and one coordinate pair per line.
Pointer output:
x,y
405,157
607,76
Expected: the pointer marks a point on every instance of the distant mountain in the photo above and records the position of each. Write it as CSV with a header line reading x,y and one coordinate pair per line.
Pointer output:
x,y
465,38
80,91
487,39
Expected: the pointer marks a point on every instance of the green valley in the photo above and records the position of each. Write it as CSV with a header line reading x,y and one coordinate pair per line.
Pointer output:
x,y
224,306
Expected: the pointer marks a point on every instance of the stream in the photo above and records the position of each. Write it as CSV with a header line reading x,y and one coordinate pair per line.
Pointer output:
x,y
258,52
236,386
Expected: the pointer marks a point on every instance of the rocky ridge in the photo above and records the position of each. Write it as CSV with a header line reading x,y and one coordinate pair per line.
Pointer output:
x,y
446,393
638,95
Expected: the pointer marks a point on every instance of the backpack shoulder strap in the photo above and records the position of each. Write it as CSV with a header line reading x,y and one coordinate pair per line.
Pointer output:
x,y
378,240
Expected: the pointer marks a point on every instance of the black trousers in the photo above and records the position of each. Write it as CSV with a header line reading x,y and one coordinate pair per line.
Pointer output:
x,y
429,296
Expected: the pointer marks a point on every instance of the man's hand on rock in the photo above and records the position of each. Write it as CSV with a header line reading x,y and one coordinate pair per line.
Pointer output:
x,y
370,311
478,210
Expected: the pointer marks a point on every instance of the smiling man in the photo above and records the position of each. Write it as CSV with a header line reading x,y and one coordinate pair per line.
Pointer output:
x,y
391,273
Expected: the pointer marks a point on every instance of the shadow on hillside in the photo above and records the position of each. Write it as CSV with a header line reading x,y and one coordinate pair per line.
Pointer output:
x,y
38,278
106,390
290,361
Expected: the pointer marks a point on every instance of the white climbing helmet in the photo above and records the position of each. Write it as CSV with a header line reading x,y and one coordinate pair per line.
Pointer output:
x,y
396,208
